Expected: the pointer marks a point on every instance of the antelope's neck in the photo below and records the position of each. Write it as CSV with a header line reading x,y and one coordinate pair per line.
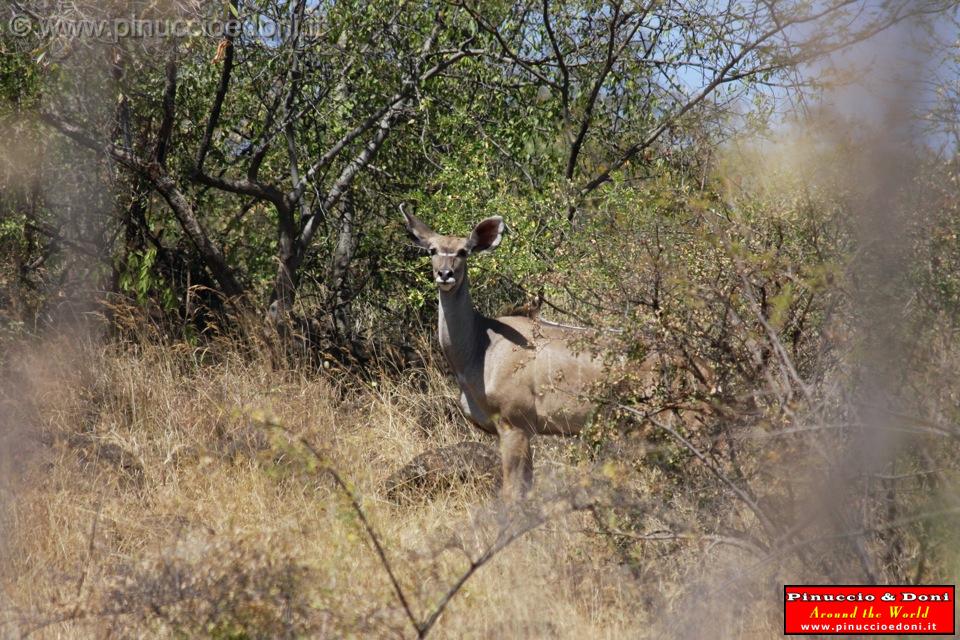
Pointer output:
x,y
459,327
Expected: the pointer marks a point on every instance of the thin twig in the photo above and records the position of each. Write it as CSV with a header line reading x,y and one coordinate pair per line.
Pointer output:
x,y
355,504
90,546
781,552
504,539
683,535
716,471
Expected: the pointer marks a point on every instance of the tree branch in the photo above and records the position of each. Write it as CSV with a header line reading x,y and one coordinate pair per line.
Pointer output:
x,y
157,176
214,119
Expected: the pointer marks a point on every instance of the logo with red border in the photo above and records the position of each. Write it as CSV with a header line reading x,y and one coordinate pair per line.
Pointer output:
x,y
869,610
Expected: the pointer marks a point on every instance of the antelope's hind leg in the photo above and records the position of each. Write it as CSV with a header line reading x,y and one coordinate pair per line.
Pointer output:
x,y
516,457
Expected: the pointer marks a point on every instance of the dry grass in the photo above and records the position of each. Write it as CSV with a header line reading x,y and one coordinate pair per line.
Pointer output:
x,y
144,492
147,499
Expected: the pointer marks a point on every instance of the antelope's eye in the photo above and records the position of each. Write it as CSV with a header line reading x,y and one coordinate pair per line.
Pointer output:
x,y
433,251
462,253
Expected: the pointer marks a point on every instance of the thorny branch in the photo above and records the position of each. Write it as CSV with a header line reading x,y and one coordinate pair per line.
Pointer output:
x,y
520,521
355,505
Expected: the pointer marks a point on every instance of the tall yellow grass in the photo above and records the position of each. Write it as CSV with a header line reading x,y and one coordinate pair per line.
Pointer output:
x,y
146,498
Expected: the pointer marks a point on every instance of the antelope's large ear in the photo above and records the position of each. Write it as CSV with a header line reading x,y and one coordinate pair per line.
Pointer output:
x,y
419,232
486,235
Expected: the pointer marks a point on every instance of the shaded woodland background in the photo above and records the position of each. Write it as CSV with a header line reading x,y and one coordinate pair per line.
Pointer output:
x,y
217,343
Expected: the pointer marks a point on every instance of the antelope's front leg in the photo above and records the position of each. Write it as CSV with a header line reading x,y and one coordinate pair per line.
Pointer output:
x,y
516,457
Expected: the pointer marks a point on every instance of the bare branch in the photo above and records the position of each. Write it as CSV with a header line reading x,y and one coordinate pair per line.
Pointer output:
x,y
169,106
167,187
742,494
224,84
361,515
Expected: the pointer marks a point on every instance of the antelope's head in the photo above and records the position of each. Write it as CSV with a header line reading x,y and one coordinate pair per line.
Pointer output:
x,y
448,254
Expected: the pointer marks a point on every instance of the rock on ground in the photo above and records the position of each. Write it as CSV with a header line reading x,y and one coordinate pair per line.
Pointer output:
x,y
443,468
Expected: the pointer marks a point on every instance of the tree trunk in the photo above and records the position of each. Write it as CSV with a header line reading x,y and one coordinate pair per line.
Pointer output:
x,y
341,293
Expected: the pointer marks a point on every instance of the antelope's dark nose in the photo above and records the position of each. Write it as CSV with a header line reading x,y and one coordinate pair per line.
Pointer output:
x,y
444,275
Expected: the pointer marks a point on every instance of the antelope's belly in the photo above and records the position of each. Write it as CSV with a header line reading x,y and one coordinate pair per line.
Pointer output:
x,y
543,391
